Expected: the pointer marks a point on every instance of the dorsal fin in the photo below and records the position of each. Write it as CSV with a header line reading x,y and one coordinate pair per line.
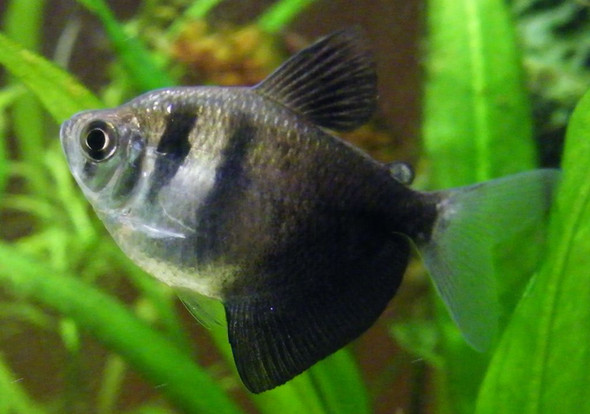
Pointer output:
x,y
332,82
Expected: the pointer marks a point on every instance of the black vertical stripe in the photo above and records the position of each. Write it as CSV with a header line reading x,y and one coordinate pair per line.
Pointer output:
x,y
172,149
231,177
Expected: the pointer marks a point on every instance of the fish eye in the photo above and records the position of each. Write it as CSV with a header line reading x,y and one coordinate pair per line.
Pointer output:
x,y
99,140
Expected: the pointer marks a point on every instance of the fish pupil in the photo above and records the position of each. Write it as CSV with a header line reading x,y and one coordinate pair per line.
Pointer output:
x,y
99,141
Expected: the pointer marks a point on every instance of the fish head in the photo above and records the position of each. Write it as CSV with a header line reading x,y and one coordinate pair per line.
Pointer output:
x,y
102,148
130,163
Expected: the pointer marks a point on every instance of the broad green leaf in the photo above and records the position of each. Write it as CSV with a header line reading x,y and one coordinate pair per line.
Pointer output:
x,y
541,364
22,23
142,68
477,122
187,385
477,126
58,91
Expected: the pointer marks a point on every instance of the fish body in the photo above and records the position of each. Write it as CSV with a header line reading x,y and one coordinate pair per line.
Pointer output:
x,y
246,195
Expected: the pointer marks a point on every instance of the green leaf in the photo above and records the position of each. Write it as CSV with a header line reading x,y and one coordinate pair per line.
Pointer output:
x,y
197,11
541,365
59,92
142,68
200,8
187,385
112,384
280,14
477,126
477,122
22,22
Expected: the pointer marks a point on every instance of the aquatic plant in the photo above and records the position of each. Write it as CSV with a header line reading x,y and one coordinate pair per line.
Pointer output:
x,y
60,272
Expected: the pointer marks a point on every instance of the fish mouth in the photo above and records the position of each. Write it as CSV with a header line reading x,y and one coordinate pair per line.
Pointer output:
x,y
64,133
69,126
69,130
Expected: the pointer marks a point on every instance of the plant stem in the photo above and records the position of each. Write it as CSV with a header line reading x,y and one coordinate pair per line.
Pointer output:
x,y
114,373
141,66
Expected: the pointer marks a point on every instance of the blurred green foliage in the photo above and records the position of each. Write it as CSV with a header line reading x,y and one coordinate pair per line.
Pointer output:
x,y
476,125
554,39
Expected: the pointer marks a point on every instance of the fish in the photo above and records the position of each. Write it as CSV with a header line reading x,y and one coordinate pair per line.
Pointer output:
x,y
246,195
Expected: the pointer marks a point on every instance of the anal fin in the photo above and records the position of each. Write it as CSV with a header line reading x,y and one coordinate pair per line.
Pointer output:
x,y
278,333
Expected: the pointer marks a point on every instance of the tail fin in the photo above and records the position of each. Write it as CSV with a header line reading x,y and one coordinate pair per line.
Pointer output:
x,y
459,255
